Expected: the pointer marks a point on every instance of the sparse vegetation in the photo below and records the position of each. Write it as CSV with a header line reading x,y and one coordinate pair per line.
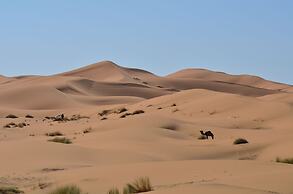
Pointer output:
x,y
284,160
138,112
10,190
125,115
21,125
116,111
240,141
140,185
134,113
104,112
55,133
78,117
71,189
61,140
10,125
29,116
113,191
87,130
11,116
14,125
121,110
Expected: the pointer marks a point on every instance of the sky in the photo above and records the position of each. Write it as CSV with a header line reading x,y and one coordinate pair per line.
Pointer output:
x,y
162,36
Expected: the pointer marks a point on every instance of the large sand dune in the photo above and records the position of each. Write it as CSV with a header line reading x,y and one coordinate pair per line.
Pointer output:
x,y
161,142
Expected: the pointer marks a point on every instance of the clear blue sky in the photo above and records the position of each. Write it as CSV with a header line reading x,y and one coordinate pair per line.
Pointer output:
x,y
235,36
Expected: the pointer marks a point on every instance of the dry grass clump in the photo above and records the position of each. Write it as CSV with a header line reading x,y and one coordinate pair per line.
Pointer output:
x,y
284,160
61,140
138,112
71,189
11,116
21,125
125,115
240,141
14,125
10,190
116,111
140,185
113,191
78,117
10,125
88,130
29,116
55,133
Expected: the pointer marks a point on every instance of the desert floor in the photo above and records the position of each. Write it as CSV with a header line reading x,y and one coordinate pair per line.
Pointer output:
x,y
162,142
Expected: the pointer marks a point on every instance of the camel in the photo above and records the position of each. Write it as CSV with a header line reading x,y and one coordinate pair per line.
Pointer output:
x,y
207,134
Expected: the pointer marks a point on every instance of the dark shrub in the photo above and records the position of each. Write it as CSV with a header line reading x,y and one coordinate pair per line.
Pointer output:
x,y
61,140
240,141
11,116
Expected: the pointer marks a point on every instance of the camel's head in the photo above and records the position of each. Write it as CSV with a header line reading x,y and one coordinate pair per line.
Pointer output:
x,y
202,132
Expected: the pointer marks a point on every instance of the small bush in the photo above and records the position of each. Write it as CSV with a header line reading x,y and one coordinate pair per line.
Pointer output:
x,y
29,116
78,117
113,191
138,112
55,133
10,190
87,130
104,113
10,125
11,116
61,140
21,125
125,115
140,185
121,110
72,189
285,160
240,141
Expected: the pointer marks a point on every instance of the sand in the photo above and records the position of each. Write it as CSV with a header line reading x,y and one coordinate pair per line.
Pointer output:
x,y
161,143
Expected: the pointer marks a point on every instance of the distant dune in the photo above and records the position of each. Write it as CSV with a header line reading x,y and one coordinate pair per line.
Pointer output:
x,y
124,123
108,79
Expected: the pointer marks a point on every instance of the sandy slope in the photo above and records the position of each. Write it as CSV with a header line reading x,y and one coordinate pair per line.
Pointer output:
x,y
203,74
161,143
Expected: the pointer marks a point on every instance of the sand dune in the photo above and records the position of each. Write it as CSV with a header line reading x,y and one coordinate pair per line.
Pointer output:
x,y
203,74
111,145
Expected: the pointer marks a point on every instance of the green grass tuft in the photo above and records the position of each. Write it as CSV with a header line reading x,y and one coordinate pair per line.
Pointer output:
x,y
71,189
